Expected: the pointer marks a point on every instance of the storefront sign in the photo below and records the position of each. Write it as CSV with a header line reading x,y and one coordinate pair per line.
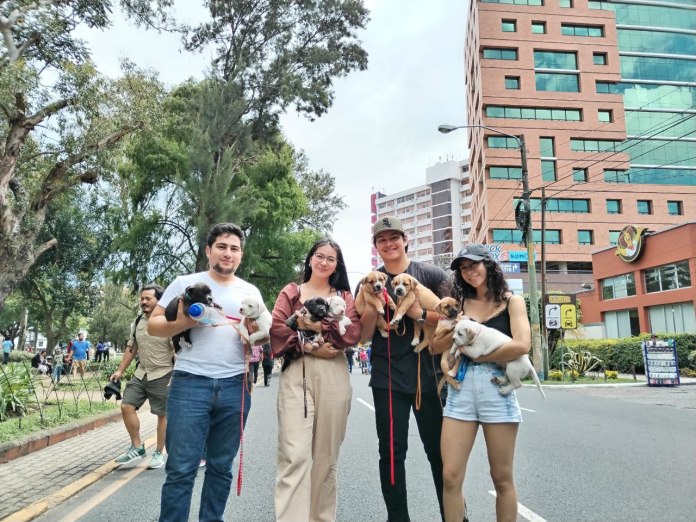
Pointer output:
x,y
629,246
510,268
660,358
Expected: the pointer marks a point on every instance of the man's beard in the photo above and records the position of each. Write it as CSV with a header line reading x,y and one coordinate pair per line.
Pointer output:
x,y
224,271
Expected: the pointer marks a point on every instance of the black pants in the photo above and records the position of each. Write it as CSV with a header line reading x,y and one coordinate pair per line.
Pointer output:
x,y
429,420
253,371
267,370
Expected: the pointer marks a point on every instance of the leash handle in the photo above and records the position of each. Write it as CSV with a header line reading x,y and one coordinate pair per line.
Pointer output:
x,y
391,407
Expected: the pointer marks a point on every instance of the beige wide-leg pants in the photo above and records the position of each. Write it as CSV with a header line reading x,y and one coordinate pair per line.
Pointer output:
x,y
305,489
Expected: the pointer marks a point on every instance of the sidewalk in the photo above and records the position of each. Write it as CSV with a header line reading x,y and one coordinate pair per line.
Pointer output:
x,y
45,478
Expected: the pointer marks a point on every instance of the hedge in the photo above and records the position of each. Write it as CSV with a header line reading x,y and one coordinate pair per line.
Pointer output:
x,y
621,354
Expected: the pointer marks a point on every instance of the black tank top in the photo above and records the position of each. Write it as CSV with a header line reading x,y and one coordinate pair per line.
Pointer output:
x,y
501,321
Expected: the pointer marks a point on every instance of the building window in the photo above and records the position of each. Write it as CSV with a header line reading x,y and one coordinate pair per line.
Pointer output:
x,y
580,175
555,60
557,82
538,27
582,30
494,53
674,208
617,176
599,58
623,285
548,170
605,87
567,205
505,172
672,318
533,113
644,206
565,3
667,277
614,237
605,116
516,2
613,207
622,323
585,237
578,145
512,82
513,235
509,26
547,148
502,142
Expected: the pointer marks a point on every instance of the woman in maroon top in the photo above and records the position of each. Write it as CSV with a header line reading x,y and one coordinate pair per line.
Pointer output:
x,y
314,393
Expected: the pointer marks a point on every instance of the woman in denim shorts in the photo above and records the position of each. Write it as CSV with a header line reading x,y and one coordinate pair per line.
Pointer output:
x,y
480,286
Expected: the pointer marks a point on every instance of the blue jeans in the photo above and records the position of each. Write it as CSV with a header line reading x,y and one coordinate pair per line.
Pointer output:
x,y
203,414
57,371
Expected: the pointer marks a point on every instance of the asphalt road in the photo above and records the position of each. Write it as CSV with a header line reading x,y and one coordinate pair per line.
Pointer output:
x,y
584,454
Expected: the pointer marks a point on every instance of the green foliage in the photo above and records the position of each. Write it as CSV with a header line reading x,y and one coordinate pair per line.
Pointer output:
x,y
555,375
623,354
115,311
108,369
692,359
15,389
611,374
580,362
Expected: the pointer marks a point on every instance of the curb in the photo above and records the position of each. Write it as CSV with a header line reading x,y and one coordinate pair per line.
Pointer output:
x,y
42,439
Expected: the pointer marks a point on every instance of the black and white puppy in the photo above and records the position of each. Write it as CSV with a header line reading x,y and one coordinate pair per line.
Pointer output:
x,y
315,309
198,293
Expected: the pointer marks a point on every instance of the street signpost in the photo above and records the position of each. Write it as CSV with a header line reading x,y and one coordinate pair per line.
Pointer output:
x,y
560,311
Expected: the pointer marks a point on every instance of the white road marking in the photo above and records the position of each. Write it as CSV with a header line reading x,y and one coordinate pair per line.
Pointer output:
x,y
366,404
525,512
525,409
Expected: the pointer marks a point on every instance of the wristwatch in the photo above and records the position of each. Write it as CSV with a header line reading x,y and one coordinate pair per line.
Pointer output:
x,y
422,317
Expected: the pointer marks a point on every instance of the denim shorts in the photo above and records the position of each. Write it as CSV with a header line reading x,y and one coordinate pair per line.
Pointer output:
x,y
479,399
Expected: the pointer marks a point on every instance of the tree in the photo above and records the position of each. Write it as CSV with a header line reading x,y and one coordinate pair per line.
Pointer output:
x,y
114,314
60,118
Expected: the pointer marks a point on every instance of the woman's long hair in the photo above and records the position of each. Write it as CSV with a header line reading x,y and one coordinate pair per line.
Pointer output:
x,y
337,280
496,286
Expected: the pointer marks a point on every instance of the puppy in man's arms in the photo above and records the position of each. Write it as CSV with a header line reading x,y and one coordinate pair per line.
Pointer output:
x,y
256,318
408,291
476,340
371,294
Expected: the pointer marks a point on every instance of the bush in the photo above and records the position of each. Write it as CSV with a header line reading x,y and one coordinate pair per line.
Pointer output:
x,y
556,375
621,354
611,374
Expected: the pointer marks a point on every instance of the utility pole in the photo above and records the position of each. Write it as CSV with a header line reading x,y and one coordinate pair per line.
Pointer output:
x,y
531,261
544,330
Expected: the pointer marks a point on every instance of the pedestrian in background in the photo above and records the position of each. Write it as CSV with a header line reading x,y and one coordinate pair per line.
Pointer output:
x,y
350,353
480,286
150,381
314,390
254,361
99,351
6,350
267,364
80,354
206,398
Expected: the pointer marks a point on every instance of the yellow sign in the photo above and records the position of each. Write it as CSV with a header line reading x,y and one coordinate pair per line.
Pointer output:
x,y
559,298
569,317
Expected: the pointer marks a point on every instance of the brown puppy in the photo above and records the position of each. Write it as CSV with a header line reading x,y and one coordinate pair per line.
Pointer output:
x,y
408,290
372,293
448,308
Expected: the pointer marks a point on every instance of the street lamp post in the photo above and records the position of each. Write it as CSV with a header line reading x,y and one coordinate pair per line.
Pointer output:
x,y
531,261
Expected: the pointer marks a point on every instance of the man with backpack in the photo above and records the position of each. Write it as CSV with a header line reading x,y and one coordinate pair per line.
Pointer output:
x,y
149,382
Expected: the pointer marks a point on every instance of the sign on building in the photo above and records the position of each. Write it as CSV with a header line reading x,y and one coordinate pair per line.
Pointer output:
x,y
510,268
560,311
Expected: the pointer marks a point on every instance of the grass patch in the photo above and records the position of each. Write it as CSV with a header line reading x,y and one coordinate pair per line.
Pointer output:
x,y
32,423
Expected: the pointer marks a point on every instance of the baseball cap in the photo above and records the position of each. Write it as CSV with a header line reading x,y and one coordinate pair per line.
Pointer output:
x,y
112,388
387,223
473,251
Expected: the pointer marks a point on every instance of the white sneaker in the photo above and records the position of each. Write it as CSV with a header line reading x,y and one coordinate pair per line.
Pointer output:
x,y
157,460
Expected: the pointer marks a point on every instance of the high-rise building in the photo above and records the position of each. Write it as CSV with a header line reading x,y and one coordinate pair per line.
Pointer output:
x,y
604,93
436,215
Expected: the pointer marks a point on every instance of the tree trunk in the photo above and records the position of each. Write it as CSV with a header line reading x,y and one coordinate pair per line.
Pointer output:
x,y
17,256
21,344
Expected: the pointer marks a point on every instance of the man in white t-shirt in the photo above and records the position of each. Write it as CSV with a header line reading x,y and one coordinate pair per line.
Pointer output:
x,y
204,406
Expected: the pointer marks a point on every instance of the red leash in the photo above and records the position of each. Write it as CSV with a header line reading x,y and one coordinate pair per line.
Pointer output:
x,y
391,410
247,349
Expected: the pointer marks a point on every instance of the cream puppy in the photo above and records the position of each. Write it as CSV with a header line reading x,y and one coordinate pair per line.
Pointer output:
x,y
474,340
254,309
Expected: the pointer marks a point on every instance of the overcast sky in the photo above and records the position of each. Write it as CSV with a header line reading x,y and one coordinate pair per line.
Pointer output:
x,y
381,133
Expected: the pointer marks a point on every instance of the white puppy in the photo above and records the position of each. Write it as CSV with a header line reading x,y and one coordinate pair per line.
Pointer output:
x,y
254,309
474,340
337,310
